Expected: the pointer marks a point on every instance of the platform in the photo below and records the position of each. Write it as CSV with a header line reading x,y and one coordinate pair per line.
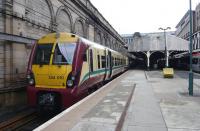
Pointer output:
x,y
137,100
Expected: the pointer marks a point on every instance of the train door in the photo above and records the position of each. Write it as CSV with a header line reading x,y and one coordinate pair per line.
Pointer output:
x,y
106,64
109,64
91,65
198,65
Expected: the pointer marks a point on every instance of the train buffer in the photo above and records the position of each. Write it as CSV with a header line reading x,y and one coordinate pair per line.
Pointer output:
x,y
168,72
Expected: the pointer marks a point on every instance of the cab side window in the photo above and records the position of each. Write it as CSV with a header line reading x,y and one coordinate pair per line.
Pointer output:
x,y
84,56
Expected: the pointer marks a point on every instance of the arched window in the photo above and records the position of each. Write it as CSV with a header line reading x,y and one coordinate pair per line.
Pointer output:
x,y
78,28
98,38
103,41
64,21
108,42
40,14
39,11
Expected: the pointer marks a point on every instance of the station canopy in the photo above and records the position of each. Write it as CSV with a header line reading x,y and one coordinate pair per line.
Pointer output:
x,y
156,42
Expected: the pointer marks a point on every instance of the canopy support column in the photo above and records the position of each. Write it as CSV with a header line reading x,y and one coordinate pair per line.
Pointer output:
x,y
167,59
148,60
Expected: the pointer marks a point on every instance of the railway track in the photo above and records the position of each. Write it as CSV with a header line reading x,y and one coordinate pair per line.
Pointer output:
x,y
18,121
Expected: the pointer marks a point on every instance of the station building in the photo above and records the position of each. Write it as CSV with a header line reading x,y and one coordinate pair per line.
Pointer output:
x,y
183,27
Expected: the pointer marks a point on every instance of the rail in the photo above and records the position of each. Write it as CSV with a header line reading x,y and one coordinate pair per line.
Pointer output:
x,y
18,121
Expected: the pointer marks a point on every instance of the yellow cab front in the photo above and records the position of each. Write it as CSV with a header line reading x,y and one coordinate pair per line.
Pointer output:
x,y
52,62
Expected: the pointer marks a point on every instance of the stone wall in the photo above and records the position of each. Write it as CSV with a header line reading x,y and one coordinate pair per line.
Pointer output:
x,y
2,61
1,17
1,64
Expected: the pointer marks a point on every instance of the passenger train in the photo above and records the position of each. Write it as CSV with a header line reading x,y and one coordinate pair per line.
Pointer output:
x,y
196,61
63,67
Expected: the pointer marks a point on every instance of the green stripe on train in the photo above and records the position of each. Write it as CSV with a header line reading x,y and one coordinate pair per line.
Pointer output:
x,y
98,72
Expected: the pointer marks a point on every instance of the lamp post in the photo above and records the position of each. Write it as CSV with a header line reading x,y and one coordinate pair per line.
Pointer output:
x,y
166,59
190,88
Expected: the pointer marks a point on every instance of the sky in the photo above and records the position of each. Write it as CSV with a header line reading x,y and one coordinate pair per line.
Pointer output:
x,y
144,16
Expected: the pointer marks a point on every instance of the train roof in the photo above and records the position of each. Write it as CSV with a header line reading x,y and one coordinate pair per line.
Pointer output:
x,y
63,36
96,45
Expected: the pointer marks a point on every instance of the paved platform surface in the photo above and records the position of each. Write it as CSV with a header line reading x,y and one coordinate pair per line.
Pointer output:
x,y
180,111
144,113
157,104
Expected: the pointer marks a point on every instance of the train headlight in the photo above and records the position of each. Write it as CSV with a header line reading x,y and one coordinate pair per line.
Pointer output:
x,y
71,80
30,78
70,83
31,81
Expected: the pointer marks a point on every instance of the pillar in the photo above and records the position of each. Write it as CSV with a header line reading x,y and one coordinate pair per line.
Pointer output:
x,y
167,59
148,60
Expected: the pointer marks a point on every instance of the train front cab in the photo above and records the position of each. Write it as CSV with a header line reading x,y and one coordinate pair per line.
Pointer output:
x,y
50,72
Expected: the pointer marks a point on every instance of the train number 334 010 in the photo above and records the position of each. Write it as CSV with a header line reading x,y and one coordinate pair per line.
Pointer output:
x,y
56,77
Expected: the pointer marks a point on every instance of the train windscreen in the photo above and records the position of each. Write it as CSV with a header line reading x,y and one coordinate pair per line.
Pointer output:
x,y
43,54
64,53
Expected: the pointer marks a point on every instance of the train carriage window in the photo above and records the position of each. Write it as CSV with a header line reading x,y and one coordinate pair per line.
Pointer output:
x,y
43,54
64,53
103,61
117,62
107,60
113,63
113,60
99,64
